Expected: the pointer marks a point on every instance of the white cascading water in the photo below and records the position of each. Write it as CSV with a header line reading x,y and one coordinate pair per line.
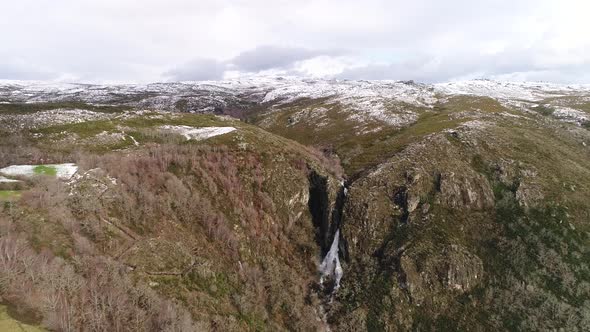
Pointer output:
x,y
330,266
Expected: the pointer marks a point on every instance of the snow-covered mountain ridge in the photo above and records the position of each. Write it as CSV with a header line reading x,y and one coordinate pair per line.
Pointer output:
x,y
368,105
283,89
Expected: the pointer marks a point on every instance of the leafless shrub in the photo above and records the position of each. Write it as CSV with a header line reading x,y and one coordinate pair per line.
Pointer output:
x,y
210,192
96,296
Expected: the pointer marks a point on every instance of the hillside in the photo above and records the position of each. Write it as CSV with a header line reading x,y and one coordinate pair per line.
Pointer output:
x,y
212,206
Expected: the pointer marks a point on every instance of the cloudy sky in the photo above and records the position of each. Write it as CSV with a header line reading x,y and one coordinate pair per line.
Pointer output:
x,y
167,40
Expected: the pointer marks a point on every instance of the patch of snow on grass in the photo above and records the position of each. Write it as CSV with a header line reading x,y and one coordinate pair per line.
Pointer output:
x,y
106,138
198,133
7,180
62,171
66,171
474,124
133,140
310,115
16,122
571,115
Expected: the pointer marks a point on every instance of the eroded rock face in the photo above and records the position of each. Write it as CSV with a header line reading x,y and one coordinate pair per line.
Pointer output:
x,y
323,197
405,189
466,191
520,178
529,194
404,218
465,269
368,218
454,268
297,205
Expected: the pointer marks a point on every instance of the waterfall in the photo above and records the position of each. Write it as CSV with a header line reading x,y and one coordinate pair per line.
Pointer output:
x,y
330,266
330,269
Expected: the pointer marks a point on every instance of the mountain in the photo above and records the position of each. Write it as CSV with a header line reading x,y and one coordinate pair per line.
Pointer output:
x,y
291,204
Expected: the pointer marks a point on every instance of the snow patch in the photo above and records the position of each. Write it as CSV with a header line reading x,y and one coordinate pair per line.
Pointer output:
x,y
510,115
316,116
571,115
20,121
198,133
63,171
7,180
133,140
474,124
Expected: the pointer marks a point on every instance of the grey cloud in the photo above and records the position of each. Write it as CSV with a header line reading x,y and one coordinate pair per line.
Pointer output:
x,y
198,70
273,57
253,61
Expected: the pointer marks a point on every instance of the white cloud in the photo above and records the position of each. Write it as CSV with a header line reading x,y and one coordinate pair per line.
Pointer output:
x,y
426,40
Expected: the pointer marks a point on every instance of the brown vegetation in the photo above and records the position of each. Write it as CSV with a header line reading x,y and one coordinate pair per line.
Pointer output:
x,y
80,255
